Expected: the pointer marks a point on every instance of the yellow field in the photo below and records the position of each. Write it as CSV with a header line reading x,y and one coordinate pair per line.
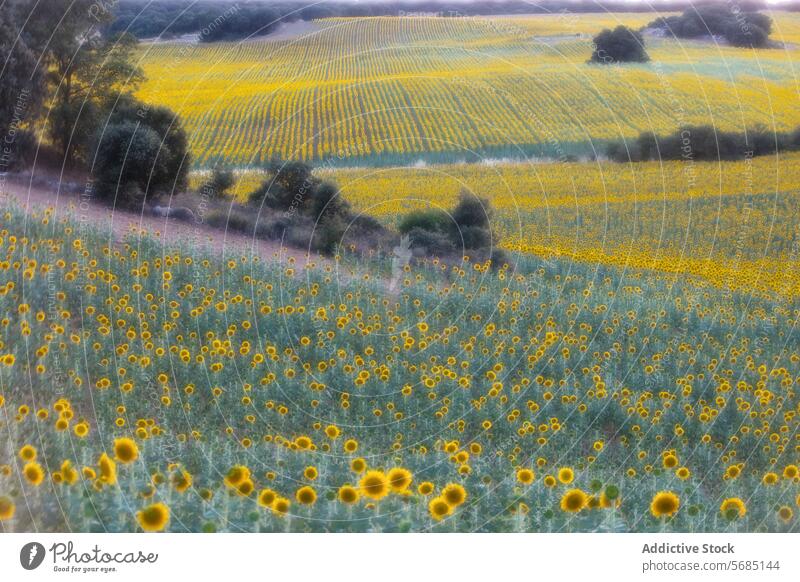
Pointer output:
x,y
384,90
734,223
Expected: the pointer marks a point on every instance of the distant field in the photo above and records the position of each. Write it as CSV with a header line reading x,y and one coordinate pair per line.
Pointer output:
x,y
382,91
734,223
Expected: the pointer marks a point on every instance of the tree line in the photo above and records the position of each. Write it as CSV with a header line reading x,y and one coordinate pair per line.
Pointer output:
x,y
737,24
704,142
215,20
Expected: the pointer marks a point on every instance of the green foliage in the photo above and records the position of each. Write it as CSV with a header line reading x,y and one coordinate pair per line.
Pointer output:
x,y
471,211
222,180
230,220
328,234
20,84
739,27
621,45
704,142
432,242
288,188
465,228
431,220
84,69
132,164
315,214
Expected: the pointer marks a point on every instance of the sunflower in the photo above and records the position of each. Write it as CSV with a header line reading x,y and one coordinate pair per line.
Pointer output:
x,y
770,478
348,494
670,461
266,497
306,495
34,473
350,446
733,472
525,476
439,508
566,475
549,481
281,505
181,480
68,473
374,485
236,475
245,488
108,469
733,507
454,494
785,513
607,502
303,442
125,450
147,492
399,479
574,500
425,488
358,465
664,503
683,473
332,431
311,473
27,453
790,472
154,517
7,508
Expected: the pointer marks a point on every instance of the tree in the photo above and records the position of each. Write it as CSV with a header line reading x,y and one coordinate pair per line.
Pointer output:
x,y
174,152
141,153
20,88
467,227
471,211
128,166
746,34
221,181
471,217
84,68
288,188
621,45
738,27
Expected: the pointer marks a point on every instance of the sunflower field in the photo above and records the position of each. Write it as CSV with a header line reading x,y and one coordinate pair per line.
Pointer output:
x,y
731,223
152,387
389,90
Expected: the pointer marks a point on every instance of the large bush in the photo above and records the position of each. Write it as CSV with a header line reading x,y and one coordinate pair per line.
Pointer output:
x,y
621,45
704,142
292,188
128,165
140,153
738,27
174,152
217,186
431,220
465,228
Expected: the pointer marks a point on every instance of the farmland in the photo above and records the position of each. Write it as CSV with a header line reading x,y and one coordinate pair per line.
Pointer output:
x,y
395,90
732,223
559,397
632,367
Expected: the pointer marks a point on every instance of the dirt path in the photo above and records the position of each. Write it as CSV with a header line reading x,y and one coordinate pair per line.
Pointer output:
x,y
168,230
